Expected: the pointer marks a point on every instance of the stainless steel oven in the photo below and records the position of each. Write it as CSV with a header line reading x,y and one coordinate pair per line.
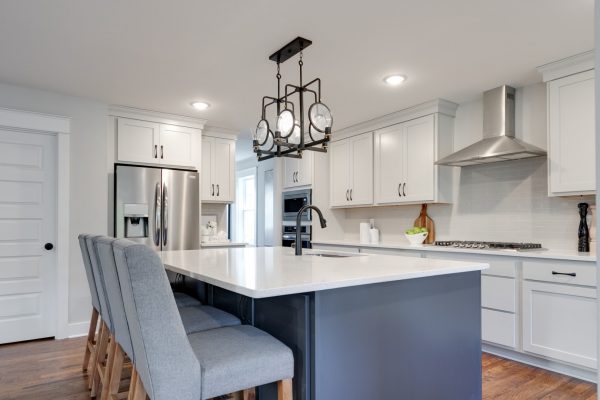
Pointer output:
x,y
289,234
293,201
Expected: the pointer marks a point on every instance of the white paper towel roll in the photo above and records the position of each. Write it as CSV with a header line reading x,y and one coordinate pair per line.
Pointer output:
x,y
374,235
364,233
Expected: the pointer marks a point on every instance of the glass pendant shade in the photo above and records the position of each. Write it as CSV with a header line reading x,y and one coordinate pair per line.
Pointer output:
x,y
295,136
320,117
285,123
262,132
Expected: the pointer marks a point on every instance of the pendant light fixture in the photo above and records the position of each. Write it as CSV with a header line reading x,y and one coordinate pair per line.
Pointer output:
x,y
287,135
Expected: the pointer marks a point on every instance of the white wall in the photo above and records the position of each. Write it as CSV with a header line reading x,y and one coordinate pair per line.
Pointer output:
x,y
88,197
505,201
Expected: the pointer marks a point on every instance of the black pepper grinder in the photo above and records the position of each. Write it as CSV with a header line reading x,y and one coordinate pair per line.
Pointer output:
x,y
584,233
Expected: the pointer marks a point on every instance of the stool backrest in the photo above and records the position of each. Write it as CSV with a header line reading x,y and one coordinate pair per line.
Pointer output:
x,y
164,357
106,256
85,254
100,287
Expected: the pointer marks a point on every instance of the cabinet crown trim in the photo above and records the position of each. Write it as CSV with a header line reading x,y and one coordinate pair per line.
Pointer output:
x,y
440,106
156,116
567,66
219,132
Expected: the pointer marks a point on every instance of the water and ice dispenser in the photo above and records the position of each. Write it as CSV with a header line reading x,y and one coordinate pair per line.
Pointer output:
x,y
136,220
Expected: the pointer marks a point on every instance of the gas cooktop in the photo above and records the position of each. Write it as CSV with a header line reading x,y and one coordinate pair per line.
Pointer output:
x,y
489,245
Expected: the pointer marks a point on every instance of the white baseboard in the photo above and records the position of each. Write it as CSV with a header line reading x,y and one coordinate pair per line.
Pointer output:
x,y
77,329
555,366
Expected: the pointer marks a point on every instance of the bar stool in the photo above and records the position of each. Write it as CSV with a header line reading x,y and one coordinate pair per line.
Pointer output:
x,y
90,345
173,365
197,318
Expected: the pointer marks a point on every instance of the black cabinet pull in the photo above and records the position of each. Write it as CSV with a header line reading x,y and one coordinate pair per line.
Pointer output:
x,y
564,273
218,190
161,152
155,151
399,193
347,199
403,187
213,190
350,194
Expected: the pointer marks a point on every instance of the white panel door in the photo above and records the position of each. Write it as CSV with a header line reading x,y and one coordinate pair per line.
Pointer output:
x,y
361,169
559,321
138,141
177,145
339,170
27,222
418,160
571,134
389,164
208,187
223,165
291,166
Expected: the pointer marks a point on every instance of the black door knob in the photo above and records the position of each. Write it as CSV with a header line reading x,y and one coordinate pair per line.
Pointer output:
x,y
48,246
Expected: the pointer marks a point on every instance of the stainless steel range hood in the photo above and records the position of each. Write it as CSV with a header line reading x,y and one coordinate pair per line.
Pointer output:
x,y
499,142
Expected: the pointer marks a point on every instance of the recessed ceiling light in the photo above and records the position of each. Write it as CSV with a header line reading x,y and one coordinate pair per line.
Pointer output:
x,y
394,80
200,105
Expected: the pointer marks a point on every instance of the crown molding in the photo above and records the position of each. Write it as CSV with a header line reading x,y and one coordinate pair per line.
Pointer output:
x,y
220,132
440,106
156,116
567,66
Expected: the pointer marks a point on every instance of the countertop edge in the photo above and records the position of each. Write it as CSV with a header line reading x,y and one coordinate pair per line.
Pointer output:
x,y
544,254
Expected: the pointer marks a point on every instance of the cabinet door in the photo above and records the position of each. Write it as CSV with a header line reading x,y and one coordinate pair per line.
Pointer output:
x,y
559,321
339,170
389,164
571,135
290,171
361,169
177,145
208,187
223,169
137,141
305,169
418,185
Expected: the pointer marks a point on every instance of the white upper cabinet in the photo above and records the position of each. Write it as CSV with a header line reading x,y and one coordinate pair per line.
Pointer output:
x,y
137,141
218,170
154,143
298,171
404,161
351,169
571,135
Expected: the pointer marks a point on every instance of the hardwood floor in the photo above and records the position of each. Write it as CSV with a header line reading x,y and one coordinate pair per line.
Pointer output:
x,y
48,369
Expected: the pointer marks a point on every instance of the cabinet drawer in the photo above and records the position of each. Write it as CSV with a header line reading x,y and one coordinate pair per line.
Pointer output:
x,y
559,321
498,327
498,293
581,273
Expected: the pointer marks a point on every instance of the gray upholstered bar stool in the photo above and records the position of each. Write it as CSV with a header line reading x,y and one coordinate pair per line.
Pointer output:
x,y
90,345
173,365
196,318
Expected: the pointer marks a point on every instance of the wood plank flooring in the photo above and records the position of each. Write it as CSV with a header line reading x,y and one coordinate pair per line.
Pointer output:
x,y
48,369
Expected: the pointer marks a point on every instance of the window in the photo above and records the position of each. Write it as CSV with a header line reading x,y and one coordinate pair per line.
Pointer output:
x,y
245,207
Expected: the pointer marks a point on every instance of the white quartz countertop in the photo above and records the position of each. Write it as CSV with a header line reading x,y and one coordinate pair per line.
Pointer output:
x,y
223,244
548,254
260,272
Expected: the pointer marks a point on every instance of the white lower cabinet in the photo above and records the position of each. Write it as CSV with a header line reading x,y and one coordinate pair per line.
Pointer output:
x,y
559,321
499,327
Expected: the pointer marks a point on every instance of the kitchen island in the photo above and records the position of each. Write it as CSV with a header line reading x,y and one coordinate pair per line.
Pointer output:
x,y
360,326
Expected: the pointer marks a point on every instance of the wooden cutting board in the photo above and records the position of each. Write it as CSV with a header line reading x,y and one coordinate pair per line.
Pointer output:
x,y
423,221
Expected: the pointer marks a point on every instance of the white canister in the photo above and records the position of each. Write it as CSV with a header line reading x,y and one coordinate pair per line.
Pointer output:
x,y
374,235
364,232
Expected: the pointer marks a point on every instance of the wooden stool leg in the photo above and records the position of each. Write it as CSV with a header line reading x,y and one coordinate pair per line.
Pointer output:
x,y
140,392
93,365
116,372
91,337
100,357
249,394
107,376
284,390
132,383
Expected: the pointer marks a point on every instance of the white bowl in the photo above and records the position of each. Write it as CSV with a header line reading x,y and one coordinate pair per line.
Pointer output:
x,y
417,239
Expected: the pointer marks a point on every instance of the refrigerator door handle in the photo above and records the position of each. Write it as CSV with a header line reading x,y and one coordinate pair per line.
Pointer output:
x,y
165,204
157,218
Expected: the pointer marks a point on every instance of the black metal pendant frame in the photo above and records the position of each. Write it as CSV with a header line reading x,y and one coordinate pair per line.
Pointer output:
x,y
281,146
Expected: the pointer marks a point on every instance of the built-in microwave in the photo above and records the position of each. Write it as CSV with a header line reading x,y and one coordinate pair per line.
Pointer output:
x,y
293,201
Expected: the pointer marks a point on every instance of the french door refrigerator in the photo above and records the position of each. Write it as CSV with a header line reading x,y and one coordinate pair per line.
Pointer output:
x,y
158,207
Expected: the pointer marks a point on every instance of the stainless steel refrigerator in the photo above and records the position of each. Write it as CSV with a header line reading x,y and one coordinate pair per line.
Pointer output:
x,y
158,207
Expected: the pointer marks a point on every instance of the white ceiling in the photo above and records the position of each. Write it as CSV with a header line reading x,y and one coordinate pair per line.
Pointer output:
x,y
161,55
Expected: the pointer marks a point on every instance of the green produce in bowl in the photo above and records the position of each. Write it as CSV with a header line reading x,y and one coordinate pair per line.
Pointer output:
x,y
415,230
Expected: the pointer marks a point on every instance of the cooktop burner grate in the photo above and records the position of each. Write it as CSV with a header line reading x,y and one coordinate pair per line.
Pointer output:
x,y
488,245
